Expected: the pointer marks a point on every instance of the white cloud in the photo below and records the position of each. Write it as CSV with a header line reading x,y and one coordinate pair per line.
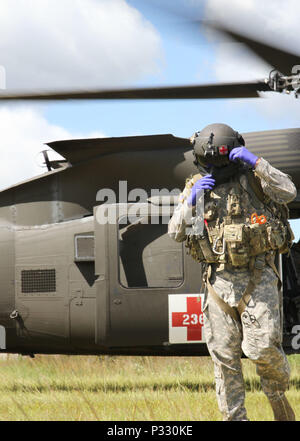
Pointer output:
x,y
266,21
75,43
263,20
64,44
23,132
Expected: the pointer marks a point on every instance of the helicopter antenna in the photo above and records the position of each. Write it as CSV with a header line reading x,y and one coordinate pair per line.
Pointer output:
x,y
47,162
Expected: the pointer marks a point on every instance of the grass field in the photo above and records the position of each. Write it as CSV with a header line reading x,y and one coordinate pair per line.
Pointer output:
x,y
124,389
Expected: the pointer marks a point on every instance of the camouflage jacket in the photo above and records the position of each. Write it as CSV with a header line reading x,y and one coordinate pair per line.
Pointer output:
x,y
277,187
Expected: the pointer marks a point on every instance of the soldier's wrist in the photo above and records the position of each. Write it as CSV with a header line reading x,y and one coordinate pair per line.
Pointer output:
x,y
257,162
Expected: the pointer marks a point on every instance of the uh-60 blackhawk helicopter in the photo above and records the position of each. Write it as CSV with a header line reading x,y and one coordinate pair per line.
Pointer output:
x,y
74,285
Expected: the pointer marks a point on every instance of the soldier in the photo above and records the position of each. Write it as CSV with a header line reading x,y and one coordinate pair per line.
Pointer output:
x,y
245,226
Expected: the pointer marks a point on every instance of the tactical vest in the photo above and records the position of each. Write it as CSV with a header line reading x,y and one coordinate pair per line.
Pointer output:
x,y
241,222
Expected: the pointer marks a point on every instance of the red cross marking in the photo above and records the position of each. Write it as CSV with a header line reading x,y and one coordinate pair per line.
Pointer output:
x,y
223,150
192,319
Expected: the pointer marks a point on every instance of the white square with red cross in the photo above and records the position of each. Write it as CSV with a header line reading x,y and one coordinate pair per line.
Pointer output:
x,y
186,318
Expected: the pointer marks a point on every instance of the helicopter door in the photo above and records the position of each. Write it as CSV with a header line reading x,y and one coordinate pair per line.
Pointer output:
x,y
139,267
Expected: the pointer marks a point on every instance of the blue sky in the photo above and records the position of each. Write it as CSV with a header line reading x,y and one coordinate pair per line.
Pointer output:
x,y
187,59
158,53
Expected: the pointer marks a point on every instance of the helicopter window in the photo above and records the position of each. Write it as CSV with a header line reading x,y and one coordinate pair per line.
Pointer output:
x,y
84,247
148,258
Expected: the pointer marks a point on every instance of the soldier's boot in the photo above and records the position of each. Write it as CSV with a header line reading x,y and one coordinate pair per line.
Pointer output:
x,y
282,409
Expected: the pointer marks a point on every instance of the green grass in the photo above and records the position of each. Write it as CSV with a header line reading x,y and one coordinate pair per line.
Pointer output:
x,y
124,389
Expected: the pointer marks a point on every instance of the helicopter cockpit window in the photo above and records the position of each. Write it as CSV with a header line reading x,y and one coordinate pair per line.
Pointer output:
x,y
148,258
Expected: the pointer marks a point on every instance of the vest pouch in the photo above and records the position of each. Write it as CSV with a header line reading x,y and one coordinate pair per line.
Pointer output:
x,y
258,239
285,248
289,239
236,239
210,211
276,232
234,205
206,249
194,249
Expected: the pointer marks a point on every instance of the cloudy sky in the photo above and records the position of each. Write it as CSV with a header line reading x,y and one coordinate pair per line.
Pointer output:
x,y
58,44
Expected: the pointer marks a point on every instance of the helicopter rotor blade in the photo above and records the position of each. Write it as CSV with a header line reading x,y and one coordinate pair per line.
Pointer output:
x,y
282,60
186,19
208,91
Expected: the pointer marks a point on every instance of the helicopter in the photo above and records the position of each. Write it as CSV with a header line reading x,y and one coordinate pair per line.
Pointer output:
x,y
71,284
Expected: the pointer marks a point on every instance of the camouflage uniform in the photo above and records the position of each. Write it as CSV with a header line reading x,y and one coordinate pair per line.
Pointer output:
x,y
258,333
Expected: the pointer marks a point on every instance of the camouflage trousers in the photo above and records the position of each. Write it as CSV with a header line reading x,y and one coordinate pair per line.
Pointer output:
x,y
258,336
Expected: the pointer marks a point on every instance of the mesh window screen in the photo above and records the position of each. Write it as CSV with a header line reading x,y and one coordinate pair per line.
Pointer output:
x,y
40,280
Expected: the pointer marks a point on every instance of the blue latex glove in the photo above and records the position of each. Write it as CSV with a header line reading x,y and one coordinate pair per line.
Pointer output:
x,y
205,183
244,155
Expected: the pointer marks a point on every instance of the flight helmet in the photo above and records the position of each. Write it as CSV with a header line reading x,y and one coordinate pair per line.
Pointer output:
x,y
213,144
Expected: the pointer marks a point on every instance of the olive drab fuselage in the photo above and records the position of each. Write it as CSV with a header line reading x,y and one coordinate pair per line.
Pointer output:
x,y
72,285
